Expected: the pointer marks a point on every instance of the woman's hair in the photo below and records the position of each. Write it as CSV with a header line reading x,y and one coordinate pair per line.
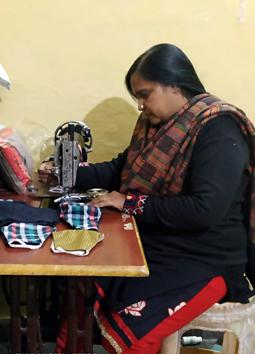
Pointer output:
x,y
169,66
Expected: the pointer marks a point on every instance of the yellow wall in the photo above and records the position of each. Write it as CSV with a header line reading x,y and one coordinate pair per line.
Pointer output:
x,y
67,60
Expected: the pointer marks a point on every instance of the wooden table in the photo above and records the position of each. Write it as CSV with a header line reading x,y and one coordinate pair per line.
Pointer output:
x,y
119,254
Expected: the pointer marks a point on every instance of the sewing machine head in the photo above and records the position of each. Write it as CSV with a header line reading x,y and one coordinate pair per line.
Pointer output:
x,y
73,141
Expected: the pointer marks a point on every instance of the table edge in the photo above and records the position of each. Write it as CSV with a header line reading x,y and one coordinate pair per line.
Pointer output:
x,y
74,270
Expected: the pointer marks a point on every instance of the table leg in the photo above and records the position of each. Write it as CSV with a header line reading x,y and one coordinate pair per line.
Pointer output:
x,y
32,328
16,330
86,332
72,314
89,314
32,314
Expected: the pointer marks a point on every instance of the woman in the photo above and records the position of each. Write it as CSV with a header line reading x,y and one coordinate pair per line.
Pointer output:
x,y
185,177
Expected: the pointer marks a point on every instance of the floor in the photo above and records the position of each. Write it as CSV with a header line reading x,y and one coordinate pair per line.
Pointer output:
x,y
48,347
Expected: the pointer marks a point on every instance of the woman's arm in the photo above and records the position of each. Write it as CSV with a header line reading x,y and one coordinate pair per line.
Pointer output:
x,y
101,175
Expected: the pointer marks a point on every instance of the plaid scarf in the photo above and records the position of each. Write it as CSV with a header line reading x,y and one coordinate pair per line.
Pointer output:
x,y
158,158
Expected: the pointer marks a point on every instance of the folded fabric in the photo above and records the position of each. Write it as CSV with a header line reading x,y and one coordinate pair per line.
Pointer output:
x,y
20,212
76,242
26,235
80,215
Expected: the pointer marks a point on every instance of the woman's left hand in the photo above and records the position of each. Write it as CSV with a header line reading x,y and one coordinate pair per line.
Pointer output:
x,y
113,199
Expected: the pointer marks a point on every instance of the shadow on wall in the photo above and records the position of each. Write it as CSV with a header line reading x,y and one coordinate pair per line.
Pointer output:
x,y
111,122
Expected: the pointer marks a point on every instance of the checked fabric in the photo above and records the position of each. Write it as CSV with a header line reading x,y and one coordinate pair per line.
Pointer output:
x,y
25,226
26,235
80,215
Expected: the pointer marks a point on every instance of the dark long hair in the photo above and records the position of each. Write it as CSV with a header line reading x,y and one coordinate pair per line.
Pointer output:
x,y
167,65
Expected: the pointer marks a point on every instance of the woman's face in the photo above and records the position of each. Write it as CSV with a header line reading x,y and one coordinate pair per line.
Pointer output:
x,y
157,102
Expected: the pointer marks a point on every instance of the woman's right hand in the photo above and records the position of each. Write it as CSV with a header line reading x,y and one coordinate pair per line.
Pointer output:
x,y
45,172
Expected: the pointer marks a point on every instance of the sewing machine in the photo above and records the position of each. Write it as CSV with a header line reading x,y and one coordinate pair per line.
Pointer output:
x,y
73,141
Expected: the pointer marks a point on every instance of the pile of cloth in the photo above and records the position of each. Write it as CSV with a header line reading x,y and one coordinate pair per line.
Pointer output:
x,y
24,226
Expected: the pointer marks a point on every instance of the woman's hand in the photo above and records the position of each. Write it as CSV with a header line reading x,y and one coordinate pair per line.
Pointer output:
x,y
45,172
113,199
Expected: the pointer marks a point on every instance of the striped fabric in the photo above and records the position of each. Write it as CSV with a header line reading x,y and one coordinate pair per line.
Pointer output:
x,y
158,158
80,215
26,235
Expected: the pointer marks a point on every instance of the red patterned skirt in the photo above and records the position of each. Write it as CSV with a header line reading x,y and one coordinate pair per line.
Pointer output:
x,y
141,327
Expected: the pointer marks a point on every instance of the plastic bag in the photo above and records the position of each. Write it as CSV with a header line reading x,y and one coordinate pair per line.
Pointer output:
x,y
230,316
16,164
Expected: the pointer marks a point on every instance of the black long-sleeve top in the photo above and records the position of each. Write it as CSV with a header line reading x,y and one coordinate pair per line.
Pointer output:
x,y
204,224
